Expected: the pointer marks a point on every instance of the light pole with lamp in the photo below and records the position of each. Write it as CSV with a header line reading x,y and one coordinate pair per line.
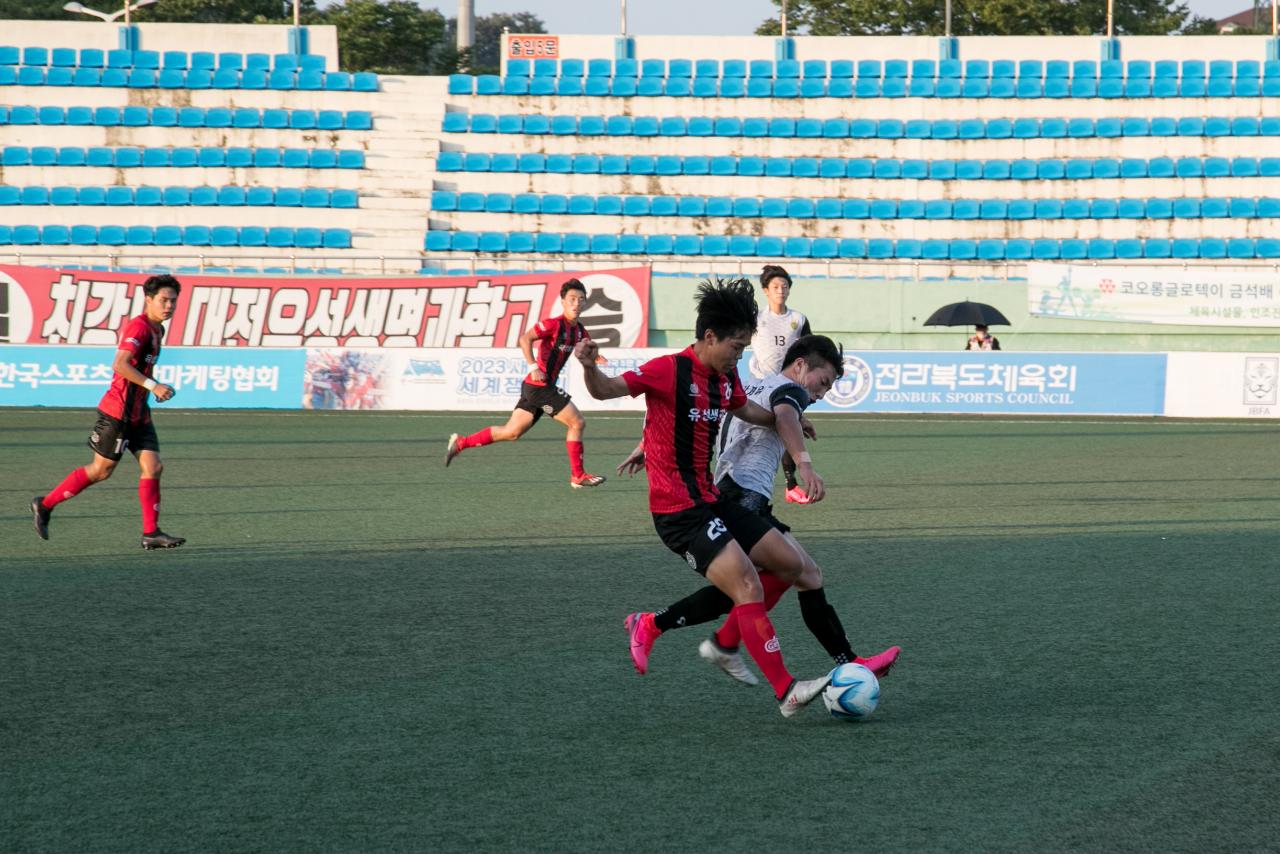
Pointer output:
x,y
128,33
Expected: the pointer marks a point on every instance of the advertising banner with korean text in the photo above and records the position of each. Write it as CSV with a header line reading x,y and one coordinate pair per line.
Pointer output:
x,y
1155,295
40,305
999,383
203,377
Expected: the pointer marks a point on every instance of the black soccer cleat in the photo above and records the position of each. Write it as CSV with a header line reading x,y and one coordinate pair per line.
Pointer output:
x,y
40,517
160,540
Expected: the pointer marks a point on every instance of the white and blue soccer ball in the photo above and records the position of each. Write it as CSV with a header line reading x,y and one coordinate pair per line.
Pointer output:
x,y
853,694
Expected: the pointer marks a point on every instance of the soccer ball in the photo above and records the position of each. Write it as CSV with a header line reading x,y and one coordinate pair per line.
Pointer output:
x,y
853,693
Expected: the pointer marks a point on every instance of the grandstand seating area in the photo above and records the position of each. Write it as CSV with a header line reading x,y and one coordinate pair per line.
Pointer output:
x,y
873,160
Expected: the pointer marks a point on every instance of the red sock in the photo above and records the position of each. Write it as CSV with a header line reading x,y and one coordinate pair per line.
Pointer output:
x,y
149,498
762,642
71,486
575,458
476,440
728,635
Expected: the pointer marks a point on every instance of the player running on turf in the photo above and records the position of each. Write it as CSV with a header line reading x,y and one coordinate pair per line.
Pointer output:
x,y
687,395
539,394
124,418
745,470
778,327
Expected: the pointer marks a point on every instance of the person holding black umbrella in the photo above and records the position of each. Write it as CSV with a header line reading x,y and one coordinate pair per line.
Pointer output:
x,y
982,340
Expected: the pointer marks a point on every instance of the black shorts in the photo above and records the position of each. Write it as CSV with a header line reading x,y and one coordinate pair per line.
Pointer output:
x,y
111,437
542,400
700,533
751,501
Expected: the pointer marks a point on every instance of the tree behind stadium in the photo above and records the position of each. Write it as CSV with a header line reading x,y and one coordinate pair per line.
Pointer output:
x,y
985,18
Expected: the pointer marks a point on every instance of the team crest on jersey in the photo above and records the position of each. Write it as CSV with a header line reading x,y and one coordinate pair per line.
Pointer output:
x,y
693,388
794,325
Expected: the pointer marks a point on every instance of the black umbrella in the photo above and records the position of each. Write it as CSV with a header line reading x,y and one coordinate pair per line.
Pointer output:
x,y
967,314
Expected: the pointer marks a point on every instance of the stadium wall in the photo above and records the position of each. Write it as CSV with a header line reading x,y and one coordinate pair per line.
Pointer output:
x,y
882,314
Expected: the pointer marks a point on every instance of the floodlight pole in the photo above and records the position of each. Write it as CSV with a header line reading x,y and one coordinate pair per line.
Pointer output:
x,y
624,18
784,18
1111,18
947,23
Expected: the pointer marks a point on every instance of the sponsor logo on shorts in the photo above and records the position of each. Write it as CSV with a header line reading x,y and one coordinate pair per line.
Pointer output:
x,y
547,408
95,437
691,560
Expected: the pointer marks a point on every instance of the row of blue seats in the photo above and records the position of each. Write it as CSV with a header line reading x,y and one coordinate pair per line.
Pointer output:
x,y
174,235
728,126
235,158
828,208
1043,249
281,197
866,87
883,168
172,78
188,117
69,57
811,69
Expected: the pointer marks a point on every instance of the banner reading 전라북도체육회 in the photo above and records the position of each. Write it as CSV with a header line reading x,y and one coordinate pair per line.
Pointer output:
x,y
40,305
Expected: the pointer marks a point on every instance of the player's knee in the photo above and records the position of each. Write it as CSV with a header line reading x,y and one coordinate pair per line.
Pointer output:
x,y
810,578
152,470
99,470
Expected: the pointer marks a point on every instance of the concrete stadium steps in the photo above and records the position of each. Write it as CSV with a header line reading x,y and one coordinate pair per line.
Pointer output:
x,y
849,149
880,108
919,229
89,176
815,188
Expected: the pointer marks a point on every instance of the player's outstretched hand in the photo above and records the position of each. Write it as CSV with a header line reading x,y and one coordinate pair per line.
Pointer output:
x,y
163,392
813,485
633,463
587,351
807,426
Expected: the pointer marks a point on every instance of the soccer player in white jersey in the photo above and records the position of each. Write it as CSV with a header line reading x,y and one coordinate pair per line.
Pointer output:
x,y
745,470
777,328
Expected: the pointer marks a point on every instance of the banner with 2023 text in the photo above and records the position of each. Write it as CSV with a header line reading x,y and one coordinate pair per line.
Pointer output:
x,y
1138,294
41,305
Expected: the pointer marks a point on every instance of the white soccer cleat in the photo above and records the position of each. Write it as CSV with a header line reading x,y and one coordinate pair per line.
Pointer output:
x,y
729,662
801,694
452,450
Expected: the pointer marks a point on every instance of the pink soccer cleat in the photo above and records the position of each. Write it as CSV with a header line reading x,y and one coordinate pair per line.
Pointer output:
x,y
881,662
643,633
797,495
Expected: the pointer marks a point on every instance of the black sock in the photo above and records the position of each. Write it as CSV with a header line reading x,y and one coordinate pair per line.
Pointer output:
x,y
702,607
789,472
821,619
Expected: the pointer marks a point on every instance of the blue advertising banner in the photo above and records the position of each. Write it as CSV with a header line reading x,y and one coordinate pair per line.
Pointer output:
x,y
59,375
999,383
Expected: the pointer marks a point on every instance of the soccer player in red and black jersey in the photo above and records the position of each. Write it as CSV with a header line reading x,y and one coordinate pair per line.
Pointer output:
x,y
687,396
539,394
124,418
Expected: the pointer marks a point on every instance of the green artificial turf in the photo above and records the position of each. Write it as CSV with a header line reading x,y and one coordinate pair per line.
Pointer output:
x,y
360,650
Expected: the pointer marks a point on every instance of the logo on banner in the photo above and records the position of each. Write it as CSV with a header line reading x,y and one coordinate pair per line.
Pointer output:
x,y
854,386
423,371
1260,380
612,312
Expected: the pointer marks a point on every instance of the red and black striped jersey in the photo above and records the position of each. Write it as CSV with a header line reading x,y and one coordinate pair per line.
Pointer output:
x,y
126,401
685,403
556,339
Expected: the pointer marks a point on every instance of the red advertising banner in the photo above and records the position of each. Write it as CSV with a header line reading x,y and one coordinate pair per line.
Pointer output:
x,y
40,305
533,47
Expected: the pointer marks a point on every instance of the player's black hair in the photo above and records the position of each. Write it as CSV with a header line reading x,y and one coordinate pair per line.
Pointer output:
x,y
773,271
726,307
152,286
572,285
816,348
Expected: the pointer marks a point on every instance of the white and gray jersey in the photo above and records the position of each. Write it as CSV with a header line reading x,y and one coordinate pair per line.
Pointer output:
x,y
774,334
750,454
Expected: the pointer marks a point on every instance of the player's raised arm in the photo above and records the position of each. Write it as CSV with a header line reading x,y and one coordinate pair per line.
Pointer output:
x,y
753,413
792,436
123,366
599,385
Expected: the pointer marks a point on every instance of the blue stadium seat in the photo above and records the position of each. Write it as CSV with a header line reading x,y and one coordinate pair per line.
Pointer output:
x,y
797,247
659,244
880,248
1214,208
673,126
742,244
1186,208
1236,247
853,247
1131,209
1021,209
1267,247
769,246
746,207
631,244
991,250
